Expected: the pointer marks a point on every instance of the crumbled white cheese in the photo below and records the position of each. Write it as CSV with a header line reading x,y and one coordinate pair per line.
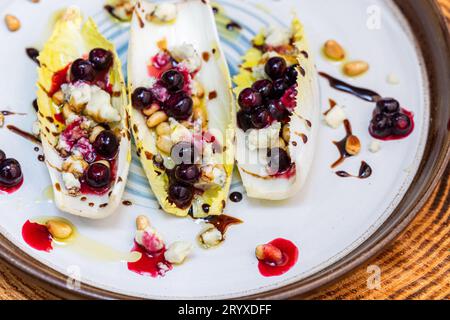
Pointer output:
x,y
70,182
264,138
177,252
277,36
63,145
149,239
79,93
186,55
375,146
393,79
211,237
259,72
74,165
335,117
220,176
166,12
178,132
36,129
99,106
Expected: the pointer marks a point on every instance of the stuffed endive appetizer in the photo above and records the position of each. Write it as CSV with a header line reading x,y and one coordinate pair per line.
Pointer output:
x,y
278,113
83,118
182,106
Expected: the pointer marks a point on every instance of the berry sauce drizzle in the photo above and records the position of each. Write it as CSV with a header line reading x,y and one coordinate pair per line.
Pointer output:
x,y
149,265
290,254
37,236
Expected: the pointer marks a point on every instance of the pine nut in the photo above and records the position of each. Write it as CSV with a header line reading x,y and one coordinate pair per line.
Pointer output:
x,y
334,50
353,145
199,114
355,68
67,111
59,229
151,110
286,133
58,98
163,129
164,143
142,223
156,118
12,23
95,132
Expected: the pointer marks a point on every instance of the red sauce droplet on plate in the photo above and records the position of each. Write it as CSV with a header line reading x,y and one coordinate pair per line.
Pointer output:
x,y
149,265
11,189
37,236
290,253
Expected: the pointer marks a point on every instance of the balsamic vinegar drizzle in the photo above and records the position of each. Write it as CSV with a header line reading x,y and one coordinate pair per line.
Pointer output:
x,y
222,222
33,54
362,93
365,171
341,145
24,134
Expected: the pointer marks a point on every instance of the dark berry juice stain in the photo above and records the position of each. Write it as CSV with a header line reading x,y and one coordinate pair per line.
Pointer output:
x,y
236,197
33,54
341,145
290,254
24,134
35,105
362,93
127,203
365,172
41,158
222,222
37,236
149,265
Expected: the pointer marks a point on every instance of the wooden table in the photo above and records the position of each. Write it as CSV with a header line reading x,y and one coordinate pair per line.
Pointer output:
x,y
415,266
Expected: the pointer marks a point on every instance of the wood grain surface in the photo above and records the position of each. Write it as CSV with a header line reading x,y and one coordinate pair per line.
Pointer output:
x,y
415,266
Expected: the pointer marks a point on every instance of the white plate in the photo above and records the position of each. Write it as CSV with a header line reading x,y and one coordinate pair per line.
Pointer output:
x,y
330,217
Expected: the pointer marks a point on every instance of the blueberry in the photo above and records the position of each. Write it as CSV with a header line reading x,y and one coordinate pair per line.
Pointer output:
x,y
188,173
180,194
98,175
101,59
142,98
106,144
179,106
244,120
381,126
291,75
279,160
10,173
249,99
173,80
264,87
402,124
387,106
260,118
275,68
279,88
82,70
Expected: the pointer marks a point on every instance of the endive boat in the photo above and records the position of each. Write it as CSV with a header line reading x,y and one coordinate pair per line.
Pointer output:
x,y
278,114
182,106
83,118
